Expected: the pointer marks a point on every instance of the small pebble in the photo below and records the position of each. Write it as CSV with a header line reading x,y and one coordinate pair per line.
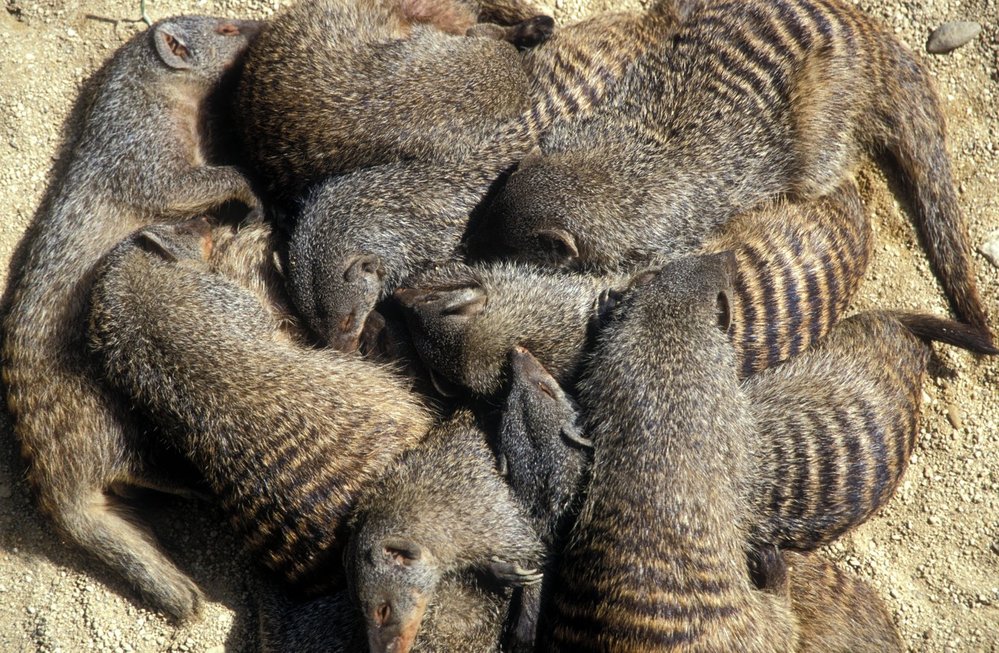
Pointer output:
x,y
950,36
954,416
990,248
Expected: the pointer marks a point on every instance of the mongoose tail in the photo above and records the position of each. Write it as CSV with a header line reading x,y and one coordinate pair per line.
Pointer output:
x,y
916,137
951,332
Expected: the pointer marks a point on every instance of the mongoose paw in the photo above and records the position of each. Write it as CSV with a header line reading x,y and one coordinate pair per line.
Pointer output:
x,y
511,573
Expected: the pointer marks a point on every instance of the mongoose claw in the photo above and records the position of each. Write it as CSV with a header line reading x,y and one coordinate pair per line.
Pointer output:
x,y
502,466
511,573
574,434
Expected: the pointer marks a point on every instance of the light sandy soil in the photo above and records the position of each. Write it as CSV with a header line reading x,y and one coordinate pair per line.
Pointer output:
x,y
933,553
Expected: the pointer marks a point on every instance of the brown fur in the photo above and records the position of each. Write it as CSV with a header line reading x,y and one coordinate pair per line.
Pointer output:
x,y
837,612
285,435
78,437
791,94
656,560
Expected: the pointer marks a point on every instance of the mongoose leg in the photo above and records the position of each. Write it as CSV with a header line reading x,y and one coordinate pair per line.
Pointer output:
x,y
205,188
95,521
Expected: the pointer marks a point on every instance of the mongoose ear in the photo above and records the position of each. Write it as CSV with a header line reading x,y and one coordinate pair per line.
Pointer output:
x,y
171,44
560,243
365,265
403,551
154,243
462,301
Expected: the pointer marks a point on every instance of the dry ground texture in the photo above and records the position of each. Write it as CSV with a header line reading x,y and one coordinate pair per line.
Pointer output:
x,y
933,553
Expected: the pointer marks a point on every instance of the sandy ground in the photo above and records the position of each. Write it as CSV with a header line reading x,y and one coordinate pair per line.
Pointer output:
x,y
933,553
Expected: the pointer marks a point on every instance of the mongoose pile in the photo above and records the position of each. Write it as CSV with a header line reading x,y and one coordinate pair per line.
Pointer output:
x,y
511,337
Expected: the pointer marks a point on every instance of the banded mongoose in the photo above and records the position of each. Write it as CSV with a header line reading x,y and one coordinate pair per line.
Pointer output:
x,y
467,614
143,155
837,612
359,234
444,512
799,265
837,424
664,507
776,86
388,81
285,435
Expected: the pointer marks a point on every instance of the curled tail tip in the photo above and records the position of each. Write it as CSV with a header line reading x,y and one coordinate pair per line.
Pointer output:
x,y
976,339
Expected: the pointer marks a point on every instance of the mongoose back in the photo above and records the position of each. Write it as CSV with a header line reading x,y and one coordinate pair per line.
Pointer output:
x,y
837,612
775,84
443,512
836,425
250,408
798,266
142,156
656,560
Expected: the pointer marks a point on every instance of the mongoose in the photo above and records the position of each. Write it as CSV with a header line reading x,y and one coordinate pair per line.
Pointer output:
x,y
445,511
836,424
285,435
465,319
799,265
142,156
775,86
335,85
467,614
656,559
837,612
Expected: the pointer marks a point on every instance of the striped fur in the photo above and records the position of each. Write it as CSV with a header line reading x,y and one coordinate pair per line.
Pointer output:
x,y
837,425
800,264
837,612
286,435
747,101
656,560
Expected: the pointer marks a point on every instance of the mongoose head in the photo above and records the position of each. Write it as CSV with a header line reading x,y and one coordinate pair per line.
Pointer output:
x,y
399,580
565,211
692,293
424,523
541,441
346,255
464,320
201,47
